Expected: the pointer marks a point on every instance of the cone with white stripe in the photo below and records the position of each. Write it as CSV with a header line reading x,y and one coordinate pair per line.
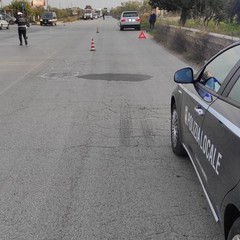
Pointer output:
x,y
92,46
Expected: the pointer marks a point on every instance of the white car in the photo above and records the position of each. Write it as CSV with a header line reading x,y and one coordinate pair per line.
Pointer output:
x,y
8,18
130,19
3,23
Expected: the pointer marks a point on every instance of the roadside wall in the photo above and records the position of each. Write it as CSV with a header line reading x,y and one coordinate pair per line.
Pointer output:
x,y
194,45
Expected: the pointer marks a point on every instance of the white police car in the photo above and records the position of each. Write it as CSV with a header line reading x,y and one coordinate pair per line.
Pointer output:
x,y
205,124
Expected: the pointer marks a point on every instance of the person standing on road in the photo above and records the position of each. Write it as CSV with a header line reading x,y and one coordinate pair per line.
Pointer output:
x,y
22,27
152,20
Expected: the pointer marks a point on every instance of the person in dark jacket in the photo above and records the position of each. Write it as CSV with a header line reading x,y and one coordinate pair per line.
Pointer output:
x,y
152,20
22,27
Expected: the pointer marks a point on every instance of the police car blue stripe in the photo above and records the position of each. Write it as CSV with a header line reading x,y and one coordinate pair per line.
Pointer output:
x,y
232,127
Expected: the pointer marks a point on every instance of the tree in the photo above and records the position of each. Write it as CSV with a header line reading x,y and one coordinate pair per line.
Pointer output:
x,y
21,6
214,10
145,8
233,10
126,6
175,5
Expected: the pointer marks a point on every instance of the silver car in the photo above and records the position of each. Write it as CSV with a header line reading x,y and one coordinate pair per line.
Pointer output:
x,y
3,23
8,18
130,19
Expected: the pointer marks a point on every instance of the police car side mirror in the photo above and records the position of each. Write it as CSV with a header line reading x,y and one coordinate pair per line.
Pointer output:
x,y
184,75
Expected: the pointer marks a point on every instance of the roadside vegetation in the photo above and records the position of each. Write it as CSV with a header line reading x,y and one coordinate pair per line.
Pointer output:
x,y
226,28
217,16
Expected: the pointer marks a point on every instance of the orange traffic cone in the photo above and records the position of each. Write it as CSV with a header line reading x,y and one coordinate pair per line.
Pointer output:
x,y
92,46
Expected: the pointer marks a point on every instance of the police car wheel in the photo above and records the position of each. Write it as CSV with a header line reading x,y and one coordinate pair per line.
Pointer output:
x,y
175,132
234,233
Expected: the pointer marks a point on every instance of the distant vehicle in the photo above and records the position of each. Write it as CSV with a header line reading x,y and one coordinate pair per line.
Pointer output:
x,y
88,14
75,11
205,124
130,19
48,18
8,18
95,16
3,23
99,12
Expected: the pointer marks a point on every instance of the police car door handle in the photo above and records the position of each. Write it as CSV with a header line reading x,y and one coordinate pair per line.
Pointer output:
x,y
199,110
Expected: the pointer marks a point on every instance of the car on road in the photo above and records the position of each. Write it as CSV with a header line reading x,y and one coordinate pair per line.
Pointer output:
x,y
48,18
8,18
205,125
3,23
130,19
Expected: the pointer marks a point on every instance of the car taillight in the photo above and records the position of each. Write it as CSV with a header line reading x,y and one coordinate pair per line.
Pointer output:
x,y
123,20
138,20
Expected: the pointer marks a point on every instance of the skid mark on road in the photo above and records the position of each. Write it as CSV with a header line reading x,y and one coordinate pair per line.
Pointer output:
x,y
147,128
125,125
140,125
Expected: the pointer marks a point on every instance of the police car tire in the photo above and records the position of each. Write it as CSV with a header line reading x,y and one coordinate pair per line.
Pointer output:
x,y
234,233
175,132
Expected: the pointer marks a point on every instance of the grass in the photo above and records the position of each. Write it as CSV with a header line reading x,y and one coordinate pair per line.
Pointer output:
x,y
231,29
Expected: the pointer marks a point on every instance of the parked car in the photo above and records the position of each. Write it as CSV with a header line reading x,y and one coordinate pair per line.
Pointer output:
x,y
205,124
3,23
48,18
130,19
8,18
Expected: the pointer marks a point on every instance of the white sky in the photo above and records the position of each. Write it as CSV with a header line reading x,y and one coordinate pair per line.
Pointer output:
x,y
78,3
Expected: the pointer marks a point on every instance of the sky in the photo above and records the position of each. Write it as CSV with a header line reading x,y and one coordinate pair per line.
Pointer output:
x,y
78,3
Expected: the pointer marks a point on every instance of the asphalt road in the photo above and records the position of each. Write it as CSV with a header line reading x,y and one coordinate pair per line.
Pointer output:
x,y
85,139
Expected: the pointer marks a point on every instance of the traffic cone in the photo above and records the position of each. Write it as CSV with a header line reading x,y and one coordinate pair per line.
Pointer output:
x,y
92,46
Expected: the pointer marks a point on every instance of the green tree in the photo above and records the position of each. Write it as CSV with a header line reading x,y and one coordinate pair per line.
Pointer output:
x,y
232,10
214,10
126,6
21,6
145,8
37,12
184,6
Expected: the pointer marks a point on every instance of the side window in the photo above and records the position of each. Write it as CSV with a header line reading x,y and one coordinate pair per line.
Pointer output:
x,y
235,91
218,69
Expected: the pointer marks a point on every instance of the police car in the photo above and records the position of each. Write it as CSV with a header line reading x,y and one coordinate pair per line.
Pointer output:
x,y
205,125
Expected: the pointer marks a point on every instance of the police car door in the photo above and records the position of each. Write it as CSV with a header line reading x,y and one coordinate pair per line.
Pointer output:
x,y
219,144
